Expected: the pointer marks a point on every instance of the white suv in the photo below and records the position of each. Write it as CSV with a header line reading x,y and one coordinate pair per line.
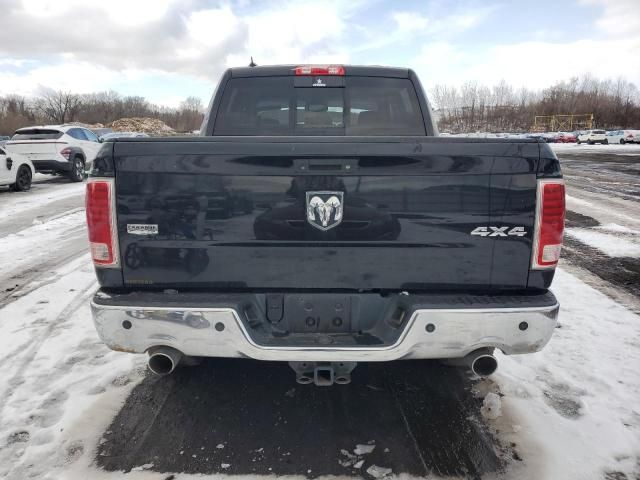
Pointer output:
x,y
15,171
623,136
593,136
57,149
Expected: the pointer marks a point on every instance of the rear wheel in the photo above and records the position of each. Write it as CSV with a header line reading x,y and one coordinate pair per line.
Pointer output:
x,y
77,170
622,141
606,142
23,179
579,142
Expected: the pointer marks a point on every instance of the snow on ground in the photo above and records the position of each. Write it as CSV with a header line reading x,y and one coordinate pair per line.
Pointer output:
x,y
626,149
612,242
59,384
16,203
572,410
35,243
576,201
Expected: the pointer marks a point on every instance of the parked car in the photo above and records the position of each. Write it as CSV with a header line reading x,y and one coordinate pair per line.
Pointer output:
x,y
15,171
623,136
57,149
550,137
101,131
110,135
4,139
566,137
593,136
368,238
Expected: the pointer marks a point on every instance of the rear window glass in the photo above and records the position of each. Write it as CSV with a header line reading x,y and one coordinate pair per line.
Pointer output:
x,y
37,134
363,106
598,132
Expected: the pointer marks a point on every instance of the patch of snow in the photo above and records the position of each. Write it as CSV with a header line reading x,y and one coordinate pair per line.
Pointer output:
x,y
491,406
57,388
580,417
17,203
379,472
35,242
614,227
578,201
612,245
627,149
363,449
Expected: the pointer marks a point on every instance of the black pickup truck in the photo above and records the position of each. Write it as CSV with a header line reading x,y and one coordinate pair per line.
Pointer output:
x,y
320,220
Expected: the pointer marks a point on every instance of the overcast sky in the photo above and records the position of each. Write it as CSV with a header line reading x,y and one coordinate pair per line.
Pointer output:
x,y
167,50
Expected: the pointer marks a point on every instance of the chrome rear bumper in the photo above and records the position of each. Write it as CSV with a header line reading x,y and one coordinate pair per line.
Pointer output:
x,y
429,334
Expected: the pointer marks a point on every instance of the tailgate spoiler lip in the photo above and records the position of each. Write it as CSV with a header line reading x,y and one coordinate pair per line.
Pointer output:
x,y
35,142
321,139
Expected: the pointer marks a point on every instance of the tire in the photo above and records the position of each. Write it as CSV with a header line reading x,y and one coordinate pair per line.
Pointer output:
x,y
23,179
579,142
622,141
77,170
605,142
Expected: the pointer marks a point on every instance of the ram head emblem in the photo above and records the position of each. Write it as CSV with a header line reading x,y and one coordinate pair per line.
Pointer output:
x,y
324,209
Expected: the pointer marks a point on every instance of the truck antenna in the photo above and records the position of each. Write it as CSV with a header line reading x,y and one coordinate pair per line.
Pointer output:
x,y
253,64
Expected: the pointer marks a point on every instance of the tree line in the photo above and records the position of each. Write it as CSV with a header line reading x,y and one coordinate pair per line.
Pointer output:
x,y
615,104
57,107
472,107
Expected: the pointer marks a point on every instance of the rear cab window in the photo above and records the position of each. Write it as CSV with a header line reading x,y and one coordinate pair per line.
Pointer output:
x,y
289,105
37,134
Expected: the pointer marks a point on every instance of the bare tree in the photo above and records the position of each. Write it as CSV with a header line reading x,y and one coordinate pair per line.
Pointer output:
x,y
58,106
193,104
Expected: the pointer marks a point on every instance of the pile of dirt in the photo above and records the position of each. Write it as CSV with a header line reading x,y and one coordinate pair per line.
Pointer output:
x,y
86,125
151,126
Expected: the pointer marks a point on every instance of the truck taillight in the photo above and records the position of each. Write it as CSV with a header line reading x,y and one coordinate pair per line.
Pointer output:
x,y
101,222
66,152
549,226
320,70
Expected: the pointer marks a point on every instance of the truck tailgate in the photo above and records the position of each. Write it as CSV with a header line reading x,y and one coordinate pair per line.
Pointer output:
x,y
233,212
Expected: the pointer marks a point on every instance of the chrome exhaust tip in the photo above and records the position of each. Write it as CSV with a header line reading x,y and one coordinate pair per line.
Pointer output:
x,y
483,364
163,360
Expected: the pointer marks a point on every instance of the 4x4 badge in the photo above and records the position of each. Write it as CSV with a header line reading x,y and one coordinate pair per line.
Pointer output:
x,y
324,209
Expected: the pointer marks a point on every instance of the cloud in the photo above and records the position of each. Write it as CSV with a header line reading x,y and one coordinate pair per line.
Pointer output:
x,y
172,35
619,18
181,44
412,27
410,21
533,64
296,32
122,35
86,78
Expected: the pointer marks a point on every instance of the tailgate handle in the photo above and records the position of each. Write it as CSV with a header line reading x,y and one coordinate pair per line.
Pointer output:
x,y
324,166
346,165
